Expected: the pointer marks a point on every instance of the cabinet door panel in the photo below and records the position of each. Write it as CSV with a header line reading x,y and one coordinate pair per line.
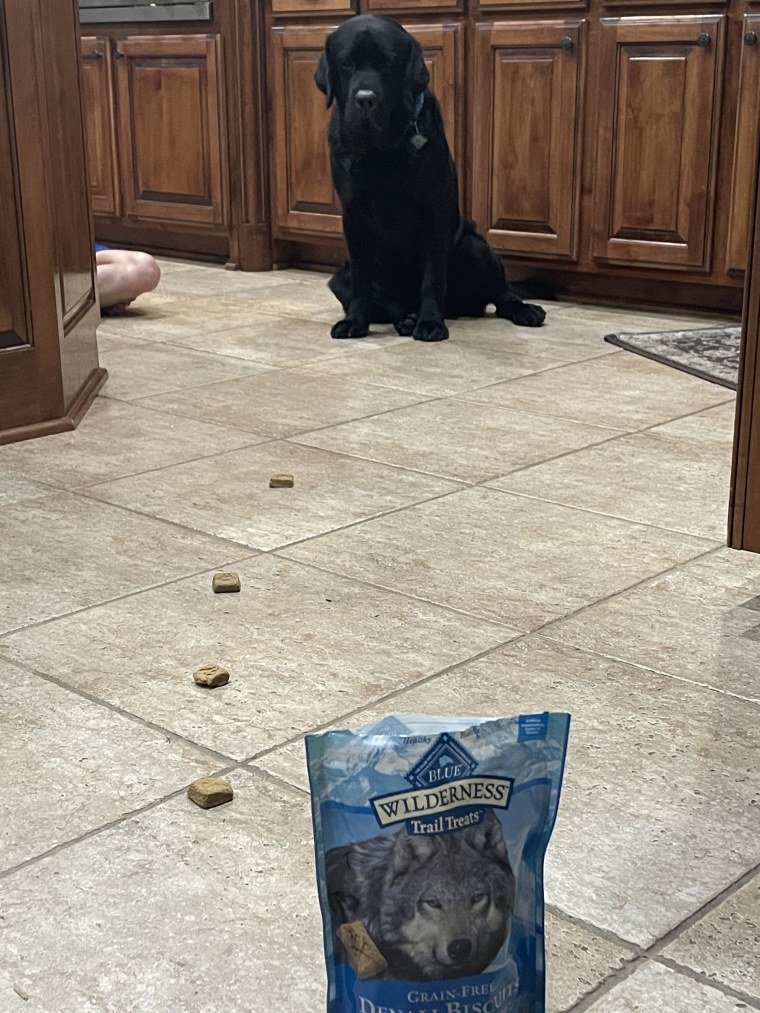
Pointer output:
x,y
527,127
745,145
303,195
171,128
100,126
660,86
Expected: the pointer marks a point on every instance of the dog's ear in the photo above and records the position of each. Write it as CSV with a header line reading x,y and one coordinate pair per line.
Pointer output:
x,y
416,78
487,839
323,78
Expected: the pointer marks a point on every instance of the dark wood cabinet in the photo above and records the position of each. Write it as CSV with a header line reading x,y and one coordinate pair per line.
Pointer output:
x,y
303,196
526,112
171,128
49,369
100,124
654,190
745,144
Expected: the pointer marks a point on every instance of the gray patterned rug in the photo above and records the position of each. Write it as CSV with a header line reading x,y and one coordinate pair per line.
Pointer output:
x,y
711,353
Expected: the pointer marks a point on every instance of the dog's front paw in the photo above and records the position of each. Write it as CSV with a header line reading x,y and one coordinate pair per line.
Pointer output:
x,y
349,329
406,326
524,314
431,330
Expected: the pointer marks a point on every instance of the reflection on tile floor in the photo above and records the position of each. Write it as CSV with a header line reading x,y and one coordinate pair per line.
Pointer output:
x,y
588,574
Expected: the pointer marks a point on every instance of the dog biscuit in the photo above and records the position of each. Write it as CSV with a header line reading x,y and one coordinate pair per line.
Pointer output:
x,y
212,675
208,792
364,956
225,583
281,482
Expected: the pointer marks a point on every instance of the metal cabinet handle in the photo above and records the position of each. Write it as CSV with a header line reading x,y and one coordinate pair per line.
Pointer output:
x,y
750,39
567,42
704,39
119,55
97,55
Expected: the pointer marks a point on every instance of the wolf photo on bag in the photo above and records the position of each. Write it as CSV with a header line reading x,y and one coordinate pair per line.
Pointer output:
x,y
430,836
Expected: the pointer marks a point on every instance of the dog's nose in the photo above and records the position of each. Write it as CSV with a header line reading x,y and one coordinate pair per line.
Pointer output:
x,y
366,99
459,950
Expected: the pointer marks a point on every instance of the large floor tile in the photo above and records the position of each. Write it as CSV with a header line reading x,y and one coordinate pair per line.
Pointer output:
x,y
577,962
438,369
700,622
301,299
161,315
116,439
622,391
14,487
713,425
173,911
62,553
198,280
725,944
281,402
670,482
229,495
302,647
278,341
520,561
456,439
70,766
657,989
563,337
657,813
156,369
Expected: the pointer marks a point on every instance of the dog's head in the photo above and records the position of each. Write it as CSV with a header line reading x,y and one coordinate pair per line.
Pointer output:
x,y
374,72
447,902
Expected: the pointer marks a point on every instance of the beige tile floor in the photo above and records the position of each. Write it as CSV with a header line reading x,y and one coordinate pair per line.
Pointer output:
x,y
514,520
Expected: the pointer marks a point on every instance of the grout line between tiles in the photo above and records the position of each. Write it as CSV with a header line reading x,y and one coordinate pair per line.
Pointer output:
x,y
121,711
752,1001
249,554
347,715
96,831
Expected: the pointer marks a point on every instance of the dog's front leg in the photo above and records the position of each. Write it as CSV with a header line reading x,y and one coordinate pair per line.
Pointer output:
x,y
431,325
360,255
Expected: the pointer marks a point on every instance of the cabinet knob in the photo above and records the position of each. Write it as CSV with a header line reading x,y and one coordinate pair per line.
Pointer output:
x,y
119,55
750,39
567,42
97,55
704,39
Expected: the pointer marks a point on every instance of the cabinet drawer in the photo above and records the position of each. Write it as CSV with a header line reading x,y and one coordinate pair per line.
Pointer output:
x,y
313,6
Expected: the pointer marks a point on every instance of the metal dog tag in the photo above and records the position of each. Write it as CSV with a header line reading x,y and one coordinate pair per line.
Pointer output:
x,y
418,140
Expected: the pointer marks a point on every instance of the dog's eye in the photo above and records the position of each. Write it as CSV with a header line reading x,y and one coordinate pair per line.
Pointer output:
x,y
477,898
432,902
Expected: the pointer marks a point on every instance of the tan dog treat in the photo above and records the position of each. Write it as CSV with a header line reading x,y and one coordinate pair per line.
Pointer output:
x,y
281,482
363,955
208,792
212,675
225,583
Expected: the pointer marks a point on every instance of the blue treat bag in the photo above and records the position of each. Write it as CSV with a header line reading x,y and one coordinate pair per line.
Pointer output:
x,y
430,837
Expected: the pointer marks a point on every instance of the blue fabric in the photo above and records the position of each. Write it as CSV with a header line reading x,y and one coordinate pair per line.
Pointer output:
x,y
420,104
99,247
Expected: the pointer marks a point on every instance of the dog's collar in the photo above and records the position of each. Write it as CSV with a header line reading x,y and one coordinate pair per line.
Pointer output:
x,y
418,140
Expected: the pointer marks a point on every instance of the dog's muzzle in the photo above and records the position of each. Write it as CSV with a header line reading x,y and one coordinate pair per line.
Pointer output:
x,y
366,99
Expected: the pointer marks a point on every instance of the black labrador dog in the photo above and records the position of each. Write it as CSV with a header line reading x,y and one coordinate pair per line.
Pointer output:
x,y
413,259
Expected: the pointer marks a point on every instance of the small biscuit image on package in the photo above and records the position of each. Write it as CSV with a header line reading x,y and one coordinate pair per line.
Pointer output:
x,y
212,675
281,482
208,792
363,955
225,583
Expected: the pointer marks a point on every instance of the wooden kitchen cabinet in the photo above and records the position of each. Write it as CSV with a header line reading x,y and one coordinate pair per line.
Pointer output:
x,y
304,200
527,124
49,370
659,90
100,124
171,133
745,143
